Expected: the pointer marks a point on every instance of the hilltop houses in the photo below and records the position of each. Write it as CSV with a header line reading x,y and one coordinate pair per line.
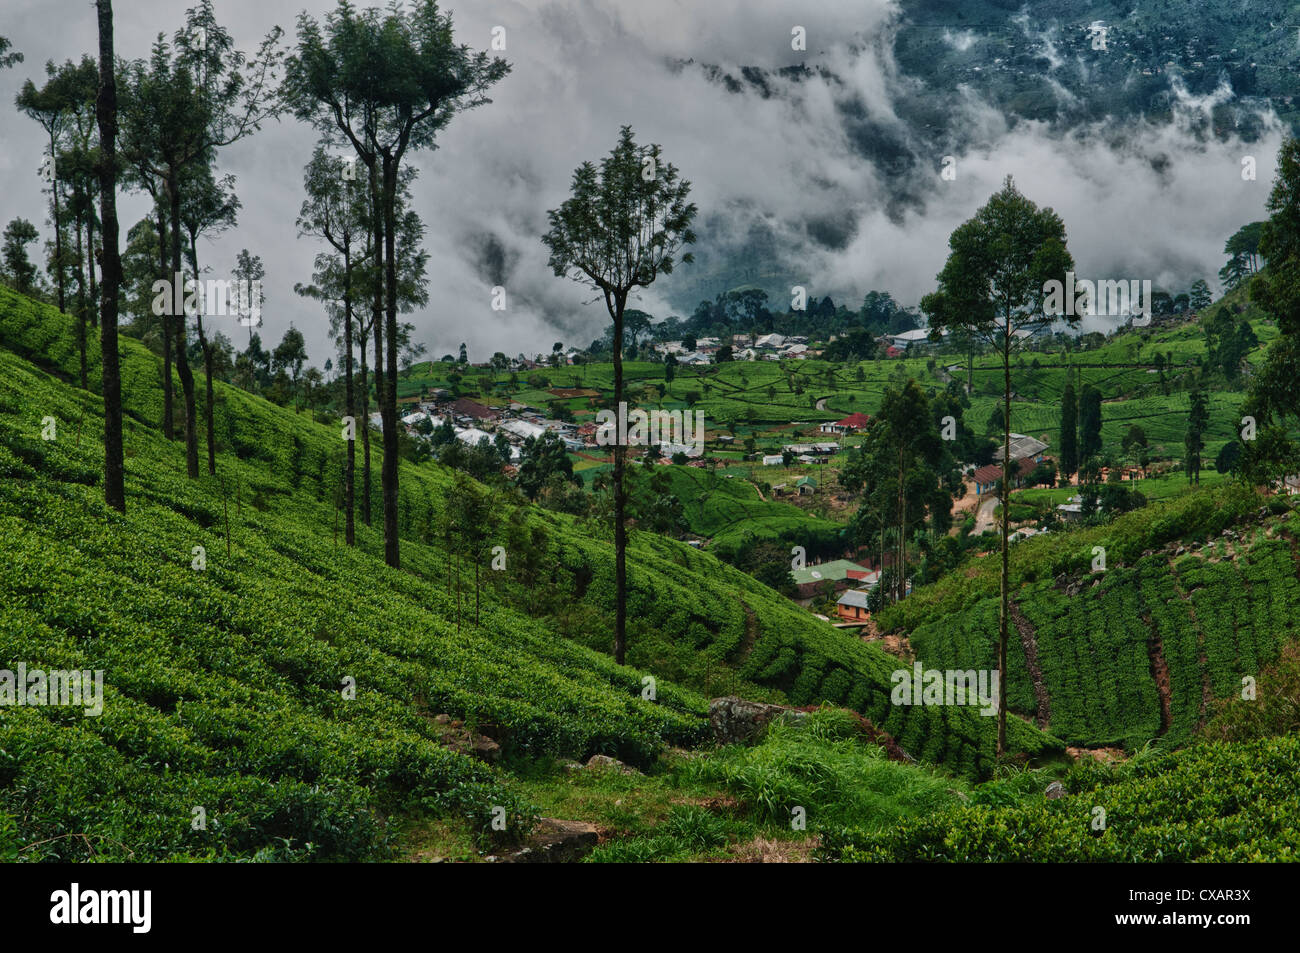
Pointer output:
x,y
841,573
850,424
1022,448
987,478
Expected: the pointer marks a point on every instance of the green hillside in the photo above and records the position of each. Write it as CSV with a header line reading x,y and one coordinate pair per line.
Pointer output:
x,y
224,684
1135,653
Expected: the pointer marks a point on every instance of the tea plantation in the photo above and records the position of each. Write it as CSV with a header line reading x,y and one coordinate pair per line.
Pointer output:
x,y
1134,653
230,622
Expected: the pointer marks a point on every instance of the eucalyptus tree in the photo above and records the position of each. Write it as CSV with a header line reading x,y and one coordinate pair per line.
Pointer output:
x,y
50,106
624,225
385,82
77,166
111,380
335,211
992,286
193,96
210,207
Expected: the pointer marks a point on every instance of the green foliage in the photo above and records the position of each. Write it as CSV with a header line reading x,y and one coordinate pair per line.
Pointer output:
x,y
824,764
1212,803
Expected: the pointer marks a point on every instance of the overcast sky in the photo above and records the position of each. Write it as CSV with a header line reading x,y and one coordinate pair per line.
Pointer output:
x,y
1139,201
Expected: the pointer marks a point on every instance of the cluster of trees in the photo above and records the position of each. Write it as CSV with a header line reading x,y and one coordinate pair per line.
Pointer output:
x,y
907,477
92,107
1228,341
1274,395
742,315
380,83
1244,255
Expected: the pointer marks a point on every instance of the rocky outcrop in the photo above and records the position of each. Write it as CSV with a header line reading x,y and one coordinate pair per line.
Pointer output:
x,y
603,762
738,721
554,841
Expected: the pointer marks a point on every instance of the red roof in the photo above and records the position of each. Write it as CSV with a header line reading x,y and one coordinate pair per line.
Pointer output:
x,y
856,421
992,473
464,407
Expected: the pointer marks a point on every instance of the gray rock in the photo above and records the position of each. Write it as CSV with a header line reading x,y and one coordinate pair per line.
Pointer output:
x,y
740,721
603,762
554,841
1054,790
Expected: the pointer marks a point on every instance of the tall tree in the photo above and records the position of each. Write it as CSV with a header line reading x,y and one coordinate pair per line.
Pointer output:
x,y
334,210
49,106
1068,458
77,168
1274,396
386,82
20,271
1089,423
903,470
623,226
249,270
210,207
993,285
192,97
1199,297
1198,418
111,381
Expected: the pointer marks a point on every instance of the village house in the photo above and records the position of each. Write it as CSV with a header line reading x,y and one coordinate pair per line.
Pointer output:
x,y
850,424
841,573
463,407
1022,448
987,478
852,606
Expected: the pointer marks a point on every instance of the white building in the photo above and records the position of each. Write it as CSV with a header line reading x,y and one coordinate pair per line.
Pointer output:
x,y
522,429
471,436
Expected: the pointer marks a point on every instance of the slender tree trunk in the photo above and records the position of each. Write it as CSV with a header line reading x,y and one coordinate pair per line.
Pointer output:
x,y
182,359
81,303
209,400
392,553
59,276
1006,542
902,529
349,470
169,418
106,112
365,437
377,304
209,428
620,497
90,262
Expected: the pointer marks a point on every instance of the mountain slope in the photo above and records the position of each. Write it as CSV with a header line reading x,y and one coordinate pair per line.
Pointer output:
x,y
226,685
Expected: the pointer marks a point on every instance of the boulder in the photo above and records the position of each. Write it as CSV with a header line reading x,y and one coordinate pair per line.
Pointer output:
x,y
740,721
603,762
554,841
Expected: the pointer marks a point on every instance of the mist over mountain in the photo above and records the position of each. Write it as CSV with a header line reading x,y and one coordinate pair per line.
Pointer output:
x,y
819,167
